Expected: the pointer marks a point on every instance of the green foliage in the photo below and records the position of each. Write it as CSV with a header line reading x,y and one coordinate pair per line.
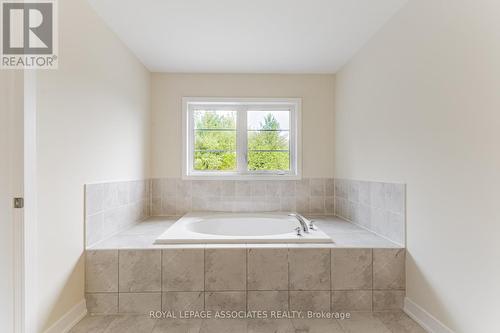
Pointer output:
x,y
268,139
221,138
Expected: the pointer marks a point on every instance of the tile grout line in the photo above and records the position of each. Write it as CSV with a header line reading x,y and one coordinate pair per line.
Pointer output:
x,y
372,280
161,280
204,278
118,287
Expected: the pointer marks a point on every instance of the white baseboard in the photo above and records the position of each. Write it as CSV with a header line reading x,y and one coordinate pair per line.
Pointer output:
x,y
424,318
69,319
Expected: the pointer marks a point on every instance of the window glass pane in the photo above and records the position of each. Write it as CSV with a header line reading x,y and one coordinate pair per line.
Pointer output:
x,y
214,119
214,140
214,161
265,140
268,120
259,160
268,140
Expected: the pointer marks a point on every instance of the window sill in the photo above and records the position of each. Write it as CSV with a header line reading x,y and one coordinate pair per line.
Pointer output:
x,y
240,177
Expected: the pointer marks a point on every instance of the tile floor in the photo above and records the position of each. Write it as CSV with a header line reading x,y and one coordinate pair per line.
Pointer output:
x,y
377,322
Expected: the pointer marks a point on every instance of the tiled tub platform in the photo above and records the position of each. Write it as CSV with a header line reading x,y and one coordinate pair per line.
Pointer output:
x,y
360,272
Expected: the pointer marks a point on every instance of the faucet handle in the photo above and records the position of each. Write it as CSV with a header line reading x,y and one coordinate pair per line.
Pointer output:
x,y
312,226
299,231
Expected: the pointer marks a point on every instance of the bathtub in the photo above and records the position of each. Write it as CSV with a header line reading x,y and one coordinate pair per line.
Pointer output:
x,y
212,227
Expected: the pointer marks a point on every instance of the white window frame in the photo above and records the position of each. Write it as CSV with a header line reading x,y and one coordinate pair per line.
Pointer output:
x,y
241,105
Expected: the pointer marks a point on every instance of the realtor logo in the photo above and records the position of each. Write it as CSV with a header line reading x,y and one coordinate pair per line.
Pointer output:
x,y
29,38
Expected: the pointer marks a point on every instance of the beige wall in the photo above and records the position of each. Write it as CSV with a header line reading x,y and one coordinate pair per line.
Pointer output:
x,y
316,92
93,125
420,104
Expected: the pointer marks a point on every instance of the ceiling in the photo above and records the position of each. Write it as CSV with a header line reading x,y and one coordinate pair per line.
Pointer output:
x,y
245,36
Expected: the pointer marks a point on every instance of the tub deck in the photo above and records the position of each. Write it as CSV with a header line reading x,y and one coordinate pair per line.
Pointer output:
x,y
128,274
344,235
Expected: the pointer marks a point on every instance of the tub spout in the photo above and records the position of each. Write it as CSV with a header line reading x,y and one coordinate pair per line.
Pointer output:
x,y
301,220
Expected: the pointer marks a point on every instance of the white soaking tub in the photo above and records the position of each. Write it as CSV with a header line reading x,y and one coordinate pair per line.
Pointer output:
x,y
210,227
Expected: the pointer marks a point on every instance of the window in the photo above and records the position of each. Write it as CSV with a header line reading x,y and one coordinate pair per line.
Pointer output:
x,y
241,138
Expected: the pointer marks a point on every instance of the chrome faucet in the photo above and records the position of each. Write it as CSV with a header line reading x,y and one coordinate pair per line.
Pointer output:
x,y
302,221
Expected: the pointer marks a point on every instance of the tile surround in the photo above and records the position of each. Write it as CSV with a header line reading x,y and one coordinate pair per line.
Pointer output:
x,y
233,278
378,207
267,269
186,270
112,207
313,196
352,269
309,269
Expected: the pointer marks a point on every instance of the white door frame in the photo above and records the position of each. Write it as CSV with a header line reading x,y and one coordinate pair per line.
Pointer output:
x,y
26,242
21,99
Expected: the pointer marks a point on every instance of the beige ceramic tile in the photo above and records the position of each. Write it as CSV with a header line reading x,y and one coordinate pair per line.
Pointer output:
x,y
377,197
365,193
352,300
225,269
273,189
183,301
329,187
183,270
168,206
351,269
140,270
309,300
182,205
184,188
94,195
341,188
287,188
156,209
243,188
317,205
317,186
102,303
224,326
363,323
157,187
94,324
388,300
389,269
101,271
94,229
353,192
287,204
302,204
269,326
309,269
225,301
316,326
131,324
267,300
329,205
139,303
267,269
303,187
398,322
395,197
177,326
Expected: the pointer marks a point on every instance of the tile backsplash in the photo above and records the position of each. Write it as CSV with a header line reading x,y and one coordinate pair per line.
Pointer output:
x,y
378,207
175,196
112,207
